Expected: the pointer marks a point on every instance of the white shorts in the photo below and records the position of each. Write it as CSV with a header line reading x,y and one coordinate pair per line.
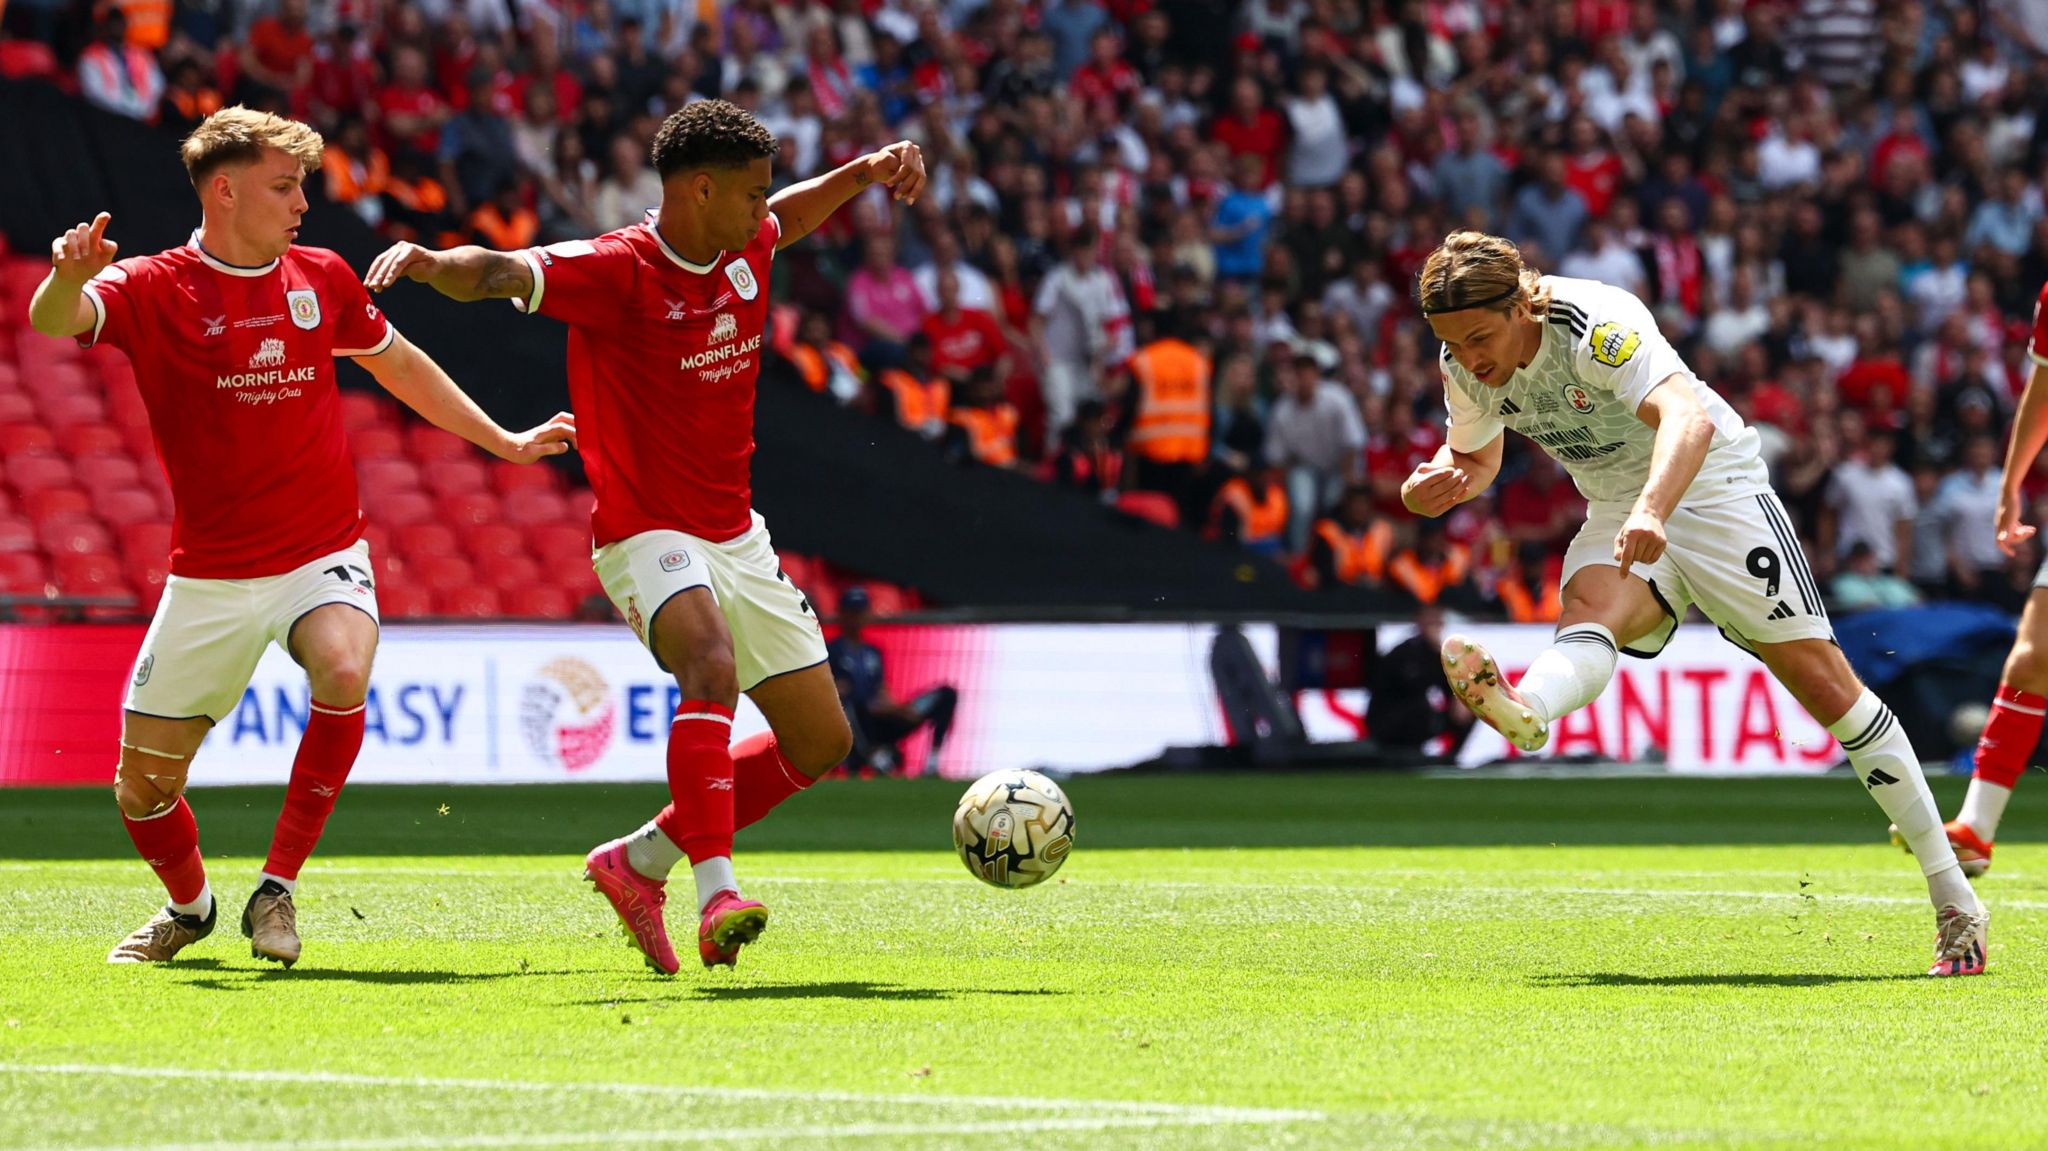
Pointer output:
x,y
1738,560
209,634
774,630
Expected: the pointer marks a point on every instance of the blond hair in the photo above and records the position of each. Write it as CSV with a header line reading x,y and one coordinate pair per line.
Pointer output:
x,y
238,135
1471,267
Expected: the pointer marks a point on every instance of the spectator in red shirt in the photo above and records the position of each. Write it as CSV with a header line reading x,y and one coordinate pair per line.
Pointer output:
x,y
344,77
279,54
1252,129
1105,78
412,111
1393,452
1877,376
545,70
1540,507
1591,169
963,339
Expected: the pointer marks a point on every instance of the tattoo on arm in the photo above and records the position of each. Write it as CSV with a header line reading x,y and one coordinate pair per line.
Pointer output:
x,y
861,179
504,275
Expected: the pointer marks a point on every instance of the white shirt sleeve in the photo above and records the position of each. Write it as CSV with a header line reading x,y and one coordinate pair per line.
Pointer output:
x,y
1626,353
1469,426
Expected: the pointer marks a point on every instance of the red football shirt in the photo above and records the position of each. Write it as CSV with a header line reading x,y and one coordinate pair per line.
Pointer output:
x,y
236,367
663,357
971,340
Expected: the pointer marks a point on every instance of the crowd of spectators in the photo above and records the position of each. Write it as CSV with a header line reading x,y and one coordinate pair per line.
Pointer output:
x,y
1168,245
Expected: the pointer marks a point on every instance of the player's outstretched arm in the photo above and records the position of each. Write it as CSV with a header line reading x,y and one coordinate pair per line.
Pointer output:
x,y
1451,477
466,273
60,307
1684,434
418,382
2029,435
802,207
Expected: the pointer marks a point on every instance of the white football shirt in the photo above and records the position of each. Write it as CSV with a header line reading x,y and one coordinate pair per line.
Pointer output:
x,y
1578,398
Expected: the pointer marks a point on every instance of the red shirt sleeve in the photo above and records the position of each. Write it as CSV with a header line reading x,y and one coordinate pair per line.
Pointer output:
x,y
115,298
359,328
583,283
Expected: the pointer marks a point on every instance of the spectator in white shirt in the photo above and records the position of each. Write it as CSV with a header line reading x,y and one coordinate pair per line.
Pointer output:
x,y
1315,432
1870,500
1741,320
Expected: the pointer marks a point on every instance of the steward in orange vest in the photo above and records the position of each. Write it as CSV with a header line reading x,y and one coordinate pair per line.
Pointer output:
x,y
1170,379
989,425
1432,568
1528,589
1254,512
825,364
1354,548
921,399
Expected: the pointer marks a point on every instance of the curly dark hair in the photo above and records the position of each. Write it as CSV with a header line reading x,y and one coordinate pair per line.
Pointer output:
x,y
710,134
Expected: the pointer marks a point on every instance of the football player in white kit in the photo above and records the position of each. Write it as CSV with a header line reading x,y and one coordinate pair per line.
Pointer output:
x,y
1679,511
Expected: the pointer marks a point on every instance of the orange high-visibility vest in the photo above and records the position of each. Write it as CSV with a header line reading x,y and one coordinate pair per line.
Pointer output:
x,y
918,405
1172,380
811,365
991,433
506,235
1260,519
149,22
1522,607
343,186
1425,582
1358,555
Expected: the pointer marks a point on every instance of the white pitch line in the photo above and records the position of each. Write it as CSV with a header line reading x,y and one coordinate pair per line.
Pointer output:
x,y
1173,1112
733,1135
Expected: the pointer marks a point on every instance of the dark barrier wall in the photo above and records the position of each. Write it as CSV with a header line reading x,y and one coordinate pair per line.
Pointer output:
x,y
859,491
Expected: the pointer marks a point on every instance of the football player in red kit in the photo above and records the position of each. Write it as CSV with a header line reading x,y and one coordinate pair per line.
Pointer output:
x,y
666,321
233,337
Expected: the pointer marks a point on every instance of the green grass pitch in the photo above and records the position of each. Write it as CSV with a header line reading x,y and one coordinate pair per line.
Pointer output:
x,y
1226,962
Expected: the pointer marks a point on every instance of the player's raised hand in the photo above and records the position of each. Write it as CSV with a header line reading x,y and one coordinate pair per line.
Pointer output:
x,y
84,251
1640,541
550,439
899,168
1433,489
2011,532
403,260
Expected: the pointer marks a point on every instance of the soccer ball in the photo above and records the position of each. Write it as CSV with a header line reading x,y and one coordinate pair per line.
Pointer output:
x,y
1013,828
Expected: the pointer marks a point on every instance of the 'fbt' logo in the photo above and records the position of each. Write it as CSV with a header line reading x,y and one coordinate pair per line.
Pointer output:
x,y
269,354
724,328
215,325
677,309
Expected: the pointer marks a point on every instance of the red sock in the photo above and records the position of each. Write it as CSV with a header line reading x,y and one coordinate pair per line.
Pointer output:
x,y
700,781
326,753
2010,735
763,777
169,843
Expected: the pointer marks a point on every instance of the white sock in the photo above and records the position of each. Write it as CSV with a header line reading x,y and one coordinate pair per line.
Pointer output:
x,y
291,886
1983,807
715,875
1883,759
200,906
652,853
1571,672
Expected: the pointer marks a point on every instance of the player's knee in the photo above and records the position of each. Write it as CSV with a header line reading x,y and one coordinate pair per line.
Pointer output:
x,y
709,674
2026,669
147,784
341,681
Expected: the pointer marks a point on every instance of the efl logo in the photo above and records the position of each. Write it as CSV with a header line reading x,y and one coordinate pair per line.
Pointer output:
x,y
567,714
675,561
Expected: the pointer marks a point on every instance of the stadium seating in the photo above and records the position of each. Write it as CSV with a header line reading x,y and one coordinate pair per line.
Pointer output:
x,y
455,533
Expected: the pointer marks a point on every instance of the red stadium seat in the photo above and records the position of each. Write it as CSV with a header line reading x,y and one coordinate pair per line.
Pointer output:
x,y
509,573
375,443
16,535
147,577
799,568
401,508
470,508
16,408
429,444
100,473
560,545
1154,507
535,506
885,599
379,538
582,501
125,506
468,603
489,543
46,504
146,541
381,476
540,603
85,440
455,477
403,601
508,477
22,573
426,540
141,441
126,410
580,582
78,536
26,439
440,574
71,410
89,574
361,410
